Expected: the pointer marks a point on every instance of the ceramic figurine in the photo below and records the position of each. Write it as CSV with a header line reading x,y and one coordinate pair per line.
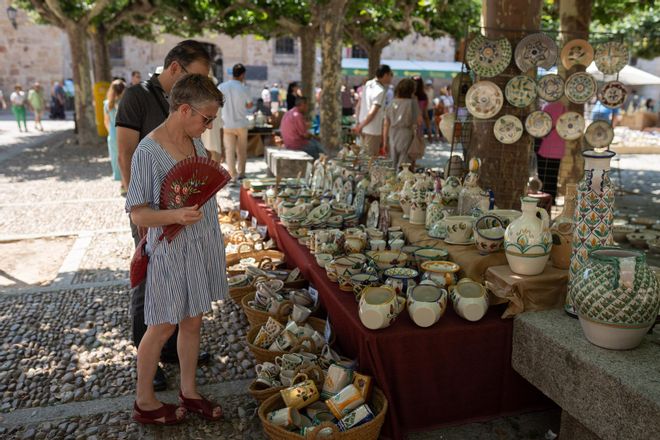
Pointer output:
x,y
470,196
405,174
527,240
562,231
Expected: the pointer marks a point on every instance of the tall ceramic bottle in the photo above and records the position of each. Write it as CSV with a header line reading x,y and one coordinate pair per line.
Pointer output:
x,y
562,229
594,215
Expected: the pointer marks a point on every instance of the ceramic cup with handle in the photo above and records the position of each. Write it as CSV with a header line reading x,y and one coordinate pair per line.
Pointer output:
x,y
289,361
290,377
470,299
300,313
301,394
287,418
426,304
379,306
459,228
336,379
284,342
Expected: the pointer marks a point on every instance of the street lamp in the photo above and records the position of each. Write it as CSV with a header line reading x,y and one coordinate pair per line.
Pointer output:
x,y
11,13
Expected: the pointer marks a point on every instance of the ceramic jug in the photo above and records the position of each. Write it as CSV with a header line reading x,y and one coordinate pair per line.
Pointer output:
x,y
450,191
470,197
616,297
562,231
527,240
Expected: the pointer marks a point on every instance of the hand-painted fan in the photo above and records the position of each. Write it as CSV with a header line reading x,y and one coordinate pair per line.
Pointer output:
x,y
192,181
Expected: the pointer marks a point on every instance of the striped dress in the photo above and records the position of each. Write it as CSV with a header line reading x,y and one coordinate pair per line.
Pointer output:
x,y
184,276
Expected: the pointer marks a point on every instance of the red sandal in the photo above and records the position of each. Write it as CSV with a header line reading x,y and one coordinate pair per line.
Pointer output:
x,y
203,407
167,412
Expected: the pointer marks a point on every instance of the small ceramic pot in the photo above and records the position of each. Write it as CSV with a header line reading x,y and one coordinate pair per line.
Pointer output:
x,y
489,234
429,254
379,306
470,299
426,304
459,228
401,279
442,273
386,259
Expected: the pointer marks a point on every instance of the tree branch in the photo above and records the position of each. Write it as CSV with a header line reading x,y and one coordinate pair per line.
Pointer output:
x,y
54,7
285,22
143,8
42,9
99,6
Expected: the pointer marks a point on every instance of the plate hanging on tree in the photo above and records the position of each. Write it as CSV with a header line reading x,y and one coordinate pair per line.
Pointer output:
x,y
577,52
611,57
570,126
488,57
538,123
520,91
536,50
580,87
508,129
613,94
459,87
550,87
484,99
599,134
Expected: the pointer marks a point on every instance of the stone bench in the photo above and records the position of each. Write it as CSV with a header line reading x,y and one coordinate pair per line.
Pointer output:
x,y
604,394
287,163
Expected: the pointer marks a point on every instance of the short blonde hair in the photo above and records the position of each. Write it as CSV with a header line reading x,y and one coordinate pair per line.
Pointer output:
x,y
195,90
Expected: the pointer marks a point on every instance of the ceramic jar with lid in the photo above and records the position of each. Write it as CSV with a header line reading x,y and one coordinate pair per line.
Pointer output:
x,y
527,240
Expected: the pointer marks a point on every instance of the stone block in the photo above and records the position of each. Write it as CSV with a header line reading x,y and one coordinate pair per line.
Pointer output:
x,y
572,429
287,163
614,394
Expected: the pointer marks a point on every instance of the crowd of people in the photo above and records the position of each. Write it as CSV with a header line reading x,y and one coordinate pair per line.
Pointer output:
x,y
21,103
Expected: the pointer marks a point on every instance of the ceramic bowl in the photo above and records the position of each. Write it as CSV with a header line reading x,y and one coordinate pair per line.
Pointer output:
x,y
639,239
347,264
619,232
238,281
386,259
429,254
410,248
323,259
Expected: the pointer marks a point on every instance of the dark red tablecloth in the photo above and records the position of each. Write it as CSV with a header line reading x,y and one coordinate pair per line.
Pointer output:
x,y
453,372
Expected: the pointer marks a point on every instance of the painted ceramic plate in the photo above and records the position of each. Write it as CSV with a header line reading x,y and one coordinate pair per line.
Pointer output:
x,y
570,126
550,87
520,91
508,129
580,87
319,213
488,57
599,134
577,52
538,124
459,88
613,94
484,100
611,57
536,50
372,215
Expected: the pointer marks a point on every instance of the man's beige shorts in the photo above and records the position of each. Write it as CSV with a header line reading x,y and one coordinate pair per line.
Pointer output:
x,y
371,143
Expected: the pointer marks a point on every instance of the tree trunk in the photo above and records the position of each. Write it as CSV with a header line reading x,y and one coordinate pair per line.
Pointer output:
x,y
85,121
505,168
575,18
308,61
375,51
102,68
332,27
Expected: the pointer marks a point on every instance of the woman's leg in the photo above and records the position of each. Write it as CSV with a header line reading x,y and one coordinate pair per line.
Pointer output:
x,y
147,362
37,120
23,117
15,111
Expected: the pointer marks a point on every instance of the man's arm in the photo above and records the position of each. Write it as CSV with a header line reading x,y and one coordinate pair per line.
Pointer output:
x,y
127,142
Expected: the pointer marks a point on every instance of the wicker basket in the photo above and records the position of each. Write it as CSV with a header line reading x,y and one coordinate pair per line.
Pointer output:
x,y
257,318
276,257
368,431
313,372
262,394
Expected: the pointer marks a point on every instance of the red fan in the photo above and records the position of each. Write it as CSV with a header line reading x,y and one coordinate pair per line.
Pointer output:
x,y
192,181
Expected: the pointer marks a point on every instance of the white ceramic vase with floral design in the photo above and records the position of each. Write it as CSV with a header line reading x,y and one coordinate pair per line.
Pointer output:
x,y
527,240
405,174
450,191
418,202
405,198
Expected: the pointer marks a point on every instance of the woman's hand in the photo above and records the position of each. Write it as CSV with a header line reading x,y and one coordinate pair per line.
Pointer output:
x,y
188,215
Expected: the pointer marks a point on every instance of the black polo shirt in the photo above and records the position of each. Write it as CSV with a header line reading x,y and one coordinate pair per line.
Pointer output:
x,y
143,107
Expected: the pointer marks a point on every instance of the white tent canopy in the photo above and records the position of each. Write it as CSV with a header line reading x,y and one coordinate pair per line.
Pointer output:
x,y
629,75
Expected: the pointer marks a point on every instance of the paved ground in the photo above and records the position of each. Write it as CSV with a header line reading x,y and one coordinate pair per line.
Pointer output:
x,y
67,364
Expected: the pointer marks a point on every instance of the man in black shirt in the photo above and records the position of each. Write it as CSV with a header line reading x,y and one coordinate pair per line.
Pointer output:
x,y
142,108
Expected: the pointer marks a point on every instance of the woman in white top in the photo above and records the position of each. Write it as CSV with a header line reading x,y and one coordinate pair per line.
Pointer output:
x,y
18,106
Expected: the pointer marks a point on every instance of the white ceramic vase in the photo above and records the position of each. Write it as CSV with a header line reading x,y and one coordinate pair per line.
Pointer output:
x,y
527,240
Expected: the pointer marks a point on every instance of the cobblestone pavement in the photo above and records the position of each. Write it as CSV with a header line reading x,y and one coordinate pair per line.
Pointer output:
x,y
67,362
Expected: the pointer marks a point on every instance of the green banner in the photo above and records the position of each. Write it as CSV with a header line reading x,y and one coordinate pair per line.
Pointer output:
x,y
403,73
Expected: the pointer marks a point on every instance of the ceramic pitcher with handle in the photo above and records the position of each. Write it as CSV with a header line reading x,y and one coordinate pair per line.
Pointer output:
x,y
527,240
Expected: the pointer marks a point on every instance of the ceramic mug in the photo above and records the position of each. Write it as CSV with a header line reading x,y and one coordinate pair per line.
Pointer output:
x,y
284,342
396,244
289,361
329,355
379,306
346,400
290,377
267,370
278,305
309,358
426,304
470,299
273,326
459,228
359,416
300,395
336,379
263,338
287,418
300,313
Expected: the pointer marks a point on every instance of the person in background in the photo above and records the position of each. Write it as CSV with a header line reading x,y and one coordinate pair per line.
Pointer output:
x,y
57,101
212,136
439,110
447,99
371,111
266,97
551,151
423,102
601,113
295,130
3,104
649,105
37,104
274,98
110,104
136,77
18,106
235,122
291,94
346,101
400,122
430,96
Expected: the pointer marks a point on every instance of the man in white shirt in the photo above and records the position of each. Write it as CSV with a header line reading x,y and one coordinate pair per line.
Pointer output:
x,y
235,122
372,112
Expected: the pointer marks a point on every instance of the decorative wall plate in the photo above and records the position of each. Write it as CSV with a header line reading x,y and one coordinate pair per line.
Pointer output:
x,y
570,126
550,87
599,134
459,88
538,124
580,87
536,50
577,52
488,57
611,57
373,214
520,91
484,99
613,94
508,129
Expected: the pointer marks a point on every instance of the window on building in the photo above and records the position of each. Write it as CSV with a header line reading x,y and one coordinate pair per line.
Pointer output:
x,y
285,46
358,52
116,49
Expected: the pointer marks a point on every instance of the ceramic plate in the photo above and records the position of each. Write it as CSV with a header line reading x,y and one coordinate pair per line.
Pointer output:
x,y
611,57
577,52
538,124
459,88
550,87
520,91
570,126
536,50
599,134
580,87
372,215
613,94
508,129
319,213
484,100
488,57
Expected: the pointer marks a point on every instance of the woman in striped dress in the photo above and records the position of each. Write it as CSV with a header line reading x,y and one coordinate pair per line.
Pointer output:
x,y
184,276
